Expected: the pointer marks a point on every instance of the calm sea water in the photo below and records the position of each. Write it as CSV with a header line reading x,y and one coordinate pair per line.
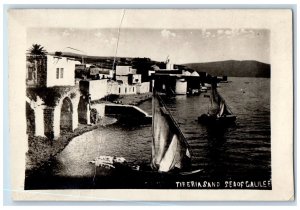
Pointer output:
x,y
241,152
238,152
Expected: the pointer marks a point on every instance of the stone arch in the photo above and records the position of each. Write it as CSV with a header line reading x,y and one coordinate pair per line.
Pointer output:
x,y
82,110
66,115
68,102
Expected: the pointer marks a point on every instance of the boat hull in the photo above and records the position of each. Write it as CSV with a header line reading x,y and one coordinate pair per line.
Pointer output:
x,y
143,173
211,120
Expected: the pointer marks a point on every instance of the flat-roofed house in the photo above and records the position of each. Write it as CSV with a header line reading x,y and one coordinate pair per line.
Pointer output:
x,y
50,70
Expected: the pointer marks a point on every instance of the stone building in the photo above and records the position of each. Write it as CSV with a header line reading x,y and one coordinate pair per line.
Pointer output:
x,y
50,70
52,101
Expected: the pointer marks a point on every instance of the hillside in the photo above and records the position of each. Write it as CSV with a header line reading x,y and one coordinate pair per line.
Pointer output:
x,y
233,68
107,61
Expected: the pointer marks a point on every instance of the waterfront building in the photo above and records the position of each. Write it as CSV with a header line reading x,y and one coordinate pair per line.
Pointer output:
x,y
195,74
128,75
50,70
120,88
52,97
125,70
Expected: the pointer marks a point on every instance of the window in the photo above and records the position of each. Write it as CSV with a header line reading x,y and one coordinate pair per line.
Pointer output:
x,y
57,73
30,72
61,73
133,89
125,90
119,90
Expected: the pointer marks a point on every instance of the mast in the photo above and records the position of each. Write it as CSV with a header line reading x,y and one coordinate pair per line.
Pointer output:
x,y
214,108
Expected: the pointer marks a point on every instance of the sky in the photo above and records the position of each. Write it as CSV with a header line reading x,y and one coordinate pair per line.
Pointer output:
x,y
181,45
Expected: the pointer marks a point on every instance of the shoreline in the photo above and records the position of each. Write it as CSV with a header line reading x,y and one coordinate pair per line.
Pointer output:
x,y
42,150
134,99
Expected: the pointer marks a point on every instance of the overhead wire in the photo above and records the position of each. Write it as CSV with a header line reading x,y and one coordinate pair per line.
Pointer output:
x,y
119,32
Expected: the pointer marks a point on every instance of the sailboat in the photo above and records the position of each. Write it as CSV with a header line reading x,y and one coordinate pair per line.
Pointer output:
x,y
170,150
219,112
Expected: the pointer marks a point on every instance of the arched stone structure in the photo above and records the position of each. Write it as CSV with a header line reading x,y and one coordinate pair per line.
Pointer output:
x,y
66,108
66,112
47,116
84,110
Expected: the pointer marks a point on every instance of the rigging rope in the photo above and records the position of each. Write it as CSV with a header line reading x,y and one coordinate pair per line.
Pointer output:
x,y
119,30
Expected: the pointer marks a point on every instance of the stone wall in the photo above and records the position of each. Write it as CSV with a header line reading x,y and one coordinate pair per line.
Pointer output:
x,y
48,122
46,111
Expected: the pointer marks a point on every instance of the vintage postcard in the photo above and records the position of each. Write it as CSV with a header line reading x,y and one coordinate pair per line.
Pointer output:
x,y
151,104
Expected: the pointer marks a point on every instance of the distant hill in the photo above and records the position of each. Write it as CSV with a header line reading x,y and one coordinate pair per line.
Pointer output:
x,y
233,68
107,61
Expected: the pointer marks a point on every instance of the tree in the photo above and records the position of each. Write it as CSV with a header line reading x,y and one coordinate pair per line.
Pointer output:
x,y
37,49
37,58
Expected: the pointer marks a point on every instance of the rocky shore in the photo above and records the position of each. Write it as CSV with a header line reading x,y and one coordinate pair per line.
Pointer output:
x,y
41,149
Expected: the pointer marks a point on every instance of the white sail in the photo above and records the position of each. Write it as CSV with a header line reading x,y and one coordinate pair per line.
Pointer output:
x,y
169,147
171,157
218,106
222,108
214,108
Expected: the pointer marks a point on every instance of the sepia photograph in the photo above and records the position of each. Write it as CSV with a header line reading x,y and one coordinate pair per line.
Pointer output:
x,y
148,108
